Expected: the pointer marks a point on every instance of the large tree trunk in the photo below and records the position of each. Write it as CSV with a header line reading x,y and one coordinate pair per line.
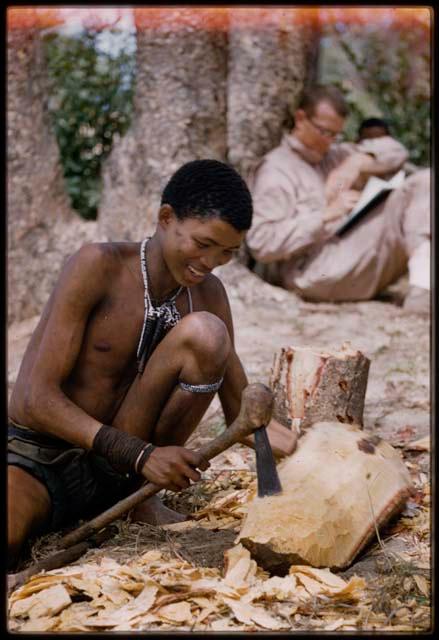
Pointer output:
x,y
211,83
272,55
42,228
179,115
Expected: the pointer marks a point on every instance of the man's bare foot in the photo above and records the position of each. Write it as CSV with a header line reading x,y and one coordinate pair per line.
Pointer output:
x,y
154,512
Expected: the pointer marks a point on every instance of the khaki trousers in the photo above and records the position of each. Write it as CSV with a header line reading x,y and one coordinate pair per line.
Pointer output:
x,y
370,256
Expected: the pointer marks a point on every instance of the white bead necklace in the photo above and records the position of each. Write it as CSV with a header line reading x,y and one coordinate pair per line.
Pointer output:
x,y
157,319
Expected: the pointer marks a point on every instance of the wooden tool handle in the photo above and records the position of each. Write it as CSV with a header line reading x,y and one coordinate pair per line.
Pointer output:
x,y
110,515
256,409
57,560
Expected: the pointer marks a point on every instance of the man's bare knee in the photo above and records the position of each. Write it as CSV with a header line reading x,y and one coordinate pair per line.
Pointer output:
x,y
207,337
29,508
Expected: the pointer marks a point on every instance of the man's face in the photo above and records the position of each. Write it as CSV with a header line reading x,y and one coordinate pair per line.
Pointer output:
x,y
193,247
318,130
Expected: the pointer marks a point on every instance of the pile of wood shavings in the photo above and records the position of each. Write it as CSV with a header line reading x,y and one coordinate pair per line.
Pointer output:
x,y
154,591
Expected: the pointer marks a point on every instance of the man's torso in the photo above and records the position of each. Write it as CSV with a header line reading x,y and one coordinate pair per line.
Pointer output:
x,y
106,363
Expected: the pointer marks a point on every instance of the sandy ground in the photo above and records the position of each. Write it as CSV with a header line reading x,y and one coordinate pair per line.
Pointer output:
x,y
266,319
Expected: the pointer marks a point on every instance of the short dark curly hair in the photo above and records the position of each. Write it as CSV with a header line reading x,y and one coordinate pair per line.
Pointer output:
x,y
209,189
374,122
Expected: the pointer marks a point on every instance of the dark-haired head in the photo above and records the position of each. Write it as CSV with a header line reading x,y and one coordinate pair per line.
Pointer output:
x,y
209,189
373,128
311,98
319,120
323,93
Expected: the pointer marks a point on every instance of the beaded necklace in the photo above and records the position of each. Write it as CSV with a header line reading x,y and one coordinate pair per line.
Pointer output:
x,y
157,318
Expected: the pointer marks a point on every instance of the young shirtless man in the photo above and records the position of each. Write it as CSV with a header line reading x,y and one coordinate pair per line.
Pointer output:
x,y
132,345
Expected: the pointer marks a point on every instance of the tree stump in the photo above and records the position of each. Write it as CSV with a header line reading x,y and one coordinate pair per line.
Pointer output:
x,y
338,488
311,386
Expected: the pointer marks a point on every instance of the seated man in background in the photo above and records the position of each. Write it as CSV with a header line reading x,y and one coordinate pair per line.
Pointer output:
x,y
133,344
304,188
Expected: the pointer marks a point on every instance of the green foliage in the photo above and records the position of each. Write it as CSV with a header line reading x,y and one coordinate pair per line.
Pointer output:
x,y
90,102
383,71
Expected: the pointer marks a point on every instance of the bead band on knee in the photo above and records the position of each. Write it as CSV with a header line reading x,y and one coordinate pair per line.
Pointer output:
x,y
201,388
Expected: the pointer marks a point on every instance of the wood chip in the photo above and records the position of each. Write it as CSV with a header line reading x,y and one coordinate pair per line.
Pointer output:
x,y
325,576
248,614
223,624
422,585
177,612
207,610
339,624
186,525
44,603
240,568
39,624
110,587
324,582
423,444
35,584
138,606
275,588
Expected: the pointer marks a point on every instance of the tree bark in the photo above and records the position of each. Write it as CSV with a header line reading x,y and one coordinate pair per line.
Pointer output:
x,y
42,228
179,115
272,56
311,386
182,112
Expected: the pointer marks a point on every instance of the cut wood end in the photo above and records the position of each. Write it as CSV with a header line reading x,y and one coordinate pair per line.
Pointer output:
x,y
313,385
343,353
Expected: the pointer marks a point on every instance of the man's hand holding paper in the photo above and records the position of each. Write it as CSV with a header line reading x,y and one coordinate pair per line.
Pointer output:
x,y
343,204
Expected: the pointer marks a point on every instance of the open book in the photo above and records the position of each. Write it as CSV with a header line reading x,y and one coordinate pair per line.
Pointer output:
x,y
376,189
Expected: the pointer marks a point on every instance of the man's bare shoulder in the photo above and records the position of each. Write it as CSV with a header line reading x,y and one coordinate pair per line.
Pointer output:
x,y
212,293
96,254
100,259
88,273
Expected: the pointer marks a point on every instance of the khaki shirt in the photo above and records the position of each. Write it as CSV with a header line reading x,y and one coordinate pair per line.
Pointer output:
x,y
289,195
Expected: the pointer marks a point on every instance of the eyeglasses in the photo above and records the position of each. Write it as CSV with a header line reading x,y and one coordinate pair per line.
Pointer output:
x,y
331,135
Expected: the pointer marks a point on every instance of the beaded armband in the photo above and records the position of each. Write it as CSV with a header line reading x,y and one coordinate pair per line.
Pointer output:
x,y
201,388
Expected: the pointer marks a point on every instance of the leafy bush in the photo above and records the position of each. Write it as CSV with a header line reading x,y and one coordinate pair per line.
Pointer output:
x,y
90,100
383,71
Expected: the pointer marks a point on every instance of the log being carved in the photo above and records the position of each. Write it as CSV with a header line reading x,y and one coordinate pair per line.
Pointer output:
x,y
312,386
339,487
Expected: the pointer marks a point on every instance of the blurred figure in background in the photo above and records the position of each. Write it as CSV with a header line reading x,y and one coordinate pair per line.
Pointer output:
x,y
378,128
305,187
373,128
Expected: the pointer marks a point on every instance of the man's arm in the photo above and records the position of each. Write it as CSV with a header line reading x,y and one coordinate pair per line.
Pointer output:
x,y
282,440
81,286
288,216
375,156
47,408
